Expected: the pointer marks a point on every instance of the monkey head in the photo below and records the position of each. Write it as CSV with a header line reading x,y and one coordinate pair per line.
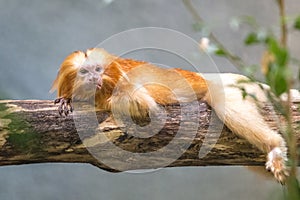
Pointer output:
x,y
89,76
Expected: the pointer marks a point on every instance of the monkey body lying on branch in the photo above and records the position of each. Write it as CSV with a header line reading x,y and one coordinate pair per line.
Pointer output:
x,y
137,88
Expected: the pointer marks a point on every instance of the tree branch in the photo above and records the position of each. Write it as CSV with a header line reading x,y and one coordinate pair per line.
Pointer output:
x,y
31,131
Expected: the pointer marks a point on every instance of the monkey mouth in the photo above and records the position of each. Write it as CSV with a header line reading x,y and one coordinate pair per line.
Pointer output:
x,y
93,86
99,86
89,87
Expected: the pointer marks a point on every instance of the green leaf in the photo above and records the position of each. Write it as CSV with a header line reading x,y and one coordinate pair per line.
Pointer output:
x,y
277,78
280,53
220,52
251,38
278,75
244,93
297,23
281,83
282,57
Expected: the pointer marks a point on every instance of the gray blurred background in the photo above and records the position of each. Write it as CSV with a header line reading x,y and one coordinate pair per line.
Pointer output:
x,y
35,37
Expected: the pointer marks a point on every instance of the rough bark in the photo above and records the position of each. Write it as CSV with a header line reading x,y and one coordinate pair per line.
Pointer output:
x,y
32,131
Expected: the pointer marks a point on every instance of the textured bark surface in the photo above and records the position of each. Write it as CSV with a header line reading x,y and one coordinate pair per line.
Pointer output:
x,y
32,131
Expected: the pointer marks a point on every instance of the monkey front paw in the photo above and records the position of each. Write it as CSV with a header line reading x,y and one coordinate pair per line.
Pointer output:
x,y
65,105
276,164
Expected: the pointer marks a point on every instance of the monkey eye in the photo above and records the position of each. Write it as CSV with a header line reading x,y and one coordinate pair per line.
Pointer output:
x,y
83,71
98,69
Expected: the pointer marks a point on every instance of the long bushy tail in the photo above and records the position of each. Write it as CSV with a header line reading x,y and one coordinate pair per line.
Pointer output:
x,y
242,116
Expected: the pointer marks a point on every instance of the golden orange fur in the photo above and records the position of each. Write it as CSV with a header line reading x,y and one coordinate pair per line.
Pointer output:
x,y
114,69
136,88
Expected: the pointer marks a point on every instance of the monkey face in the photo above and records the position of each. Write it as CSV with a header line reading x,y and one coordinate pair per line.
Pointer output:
x,y
90,77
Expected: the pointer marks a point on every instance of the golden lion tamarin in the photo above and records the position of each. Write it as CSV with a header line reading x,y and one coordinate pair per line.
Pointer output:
x,y
119,82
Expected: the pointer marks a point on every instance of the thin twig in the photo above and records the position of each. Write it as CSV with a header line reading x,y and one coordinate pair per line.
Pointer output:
x,y
235,60
292,143
283,24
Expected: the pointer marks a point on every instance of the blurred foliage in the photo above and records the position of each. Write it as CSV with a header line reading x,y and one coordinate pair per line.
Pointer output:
x,y
275,66
297,23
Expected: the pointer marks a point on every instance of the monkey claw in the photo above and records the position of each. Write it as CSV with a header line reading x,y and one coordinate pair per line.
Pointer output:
x,y
65,106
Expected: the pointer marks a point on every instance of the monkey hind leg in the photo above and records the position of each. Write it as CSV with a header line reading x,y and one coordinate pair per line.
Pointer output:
x,y
242,117
131,102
